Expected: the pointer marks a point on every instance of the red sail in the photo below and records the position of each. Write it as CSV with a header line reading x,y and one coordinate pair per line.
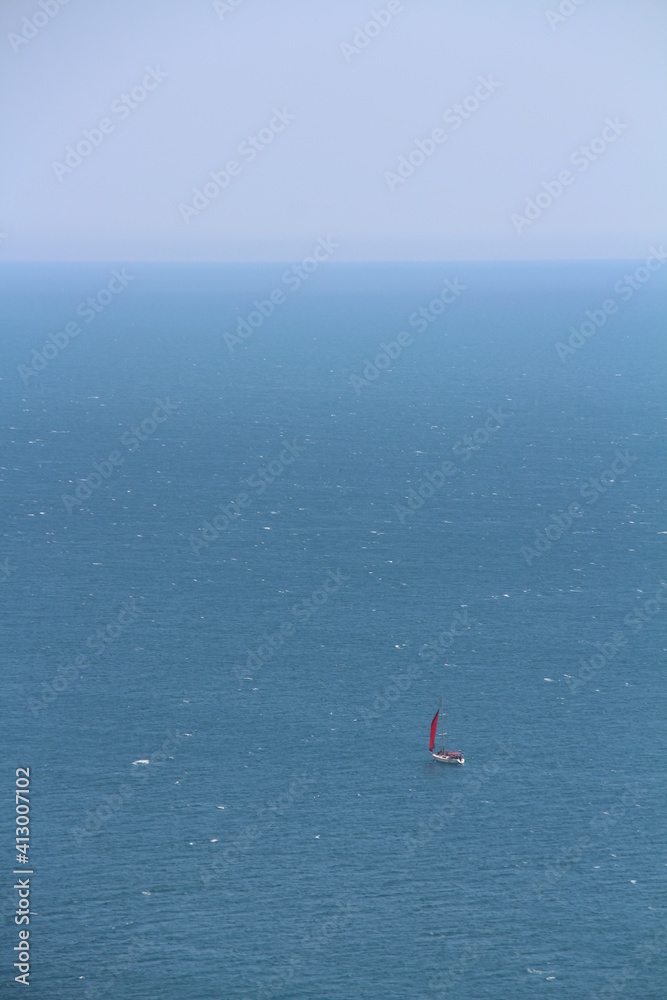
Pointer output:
x,y
434,726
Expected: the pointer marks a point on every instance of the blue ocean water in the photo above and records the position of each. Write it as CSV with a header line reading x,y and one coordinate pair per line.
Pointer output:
x,y
237,575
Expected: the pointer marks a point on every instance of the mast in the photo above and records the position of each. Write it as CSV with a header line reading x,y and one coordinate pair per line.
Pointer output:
x,y
442,716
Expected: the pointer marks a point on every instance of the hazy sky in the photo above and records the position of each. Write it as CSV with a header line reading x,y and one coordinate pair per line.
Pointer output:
x,y
183,86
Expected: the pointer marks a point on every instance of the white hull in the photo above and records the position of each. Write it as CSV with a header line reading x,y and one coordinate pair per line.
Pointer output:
x,y
444,756
448,759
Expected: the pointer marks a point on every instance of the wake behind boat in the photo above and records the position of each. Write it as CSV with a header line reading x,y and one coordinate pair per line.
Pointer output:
x,y
444,756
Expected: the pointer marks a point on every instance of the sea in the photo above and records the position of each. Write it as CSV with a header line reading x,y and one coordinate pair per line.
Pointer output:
x,y
257,521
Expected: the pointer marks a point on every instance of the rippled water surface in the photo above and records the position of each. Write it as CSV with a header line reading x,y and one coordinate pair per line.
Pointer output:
x,y
238,580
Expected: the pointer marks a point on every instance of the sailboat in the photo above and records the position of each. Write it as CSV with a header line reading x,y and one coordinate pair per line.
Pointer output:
x,y
444,756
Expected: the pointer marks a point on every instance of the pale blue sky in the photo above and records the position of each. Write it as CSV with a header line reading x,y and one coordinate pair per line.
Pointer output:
x,y
329,170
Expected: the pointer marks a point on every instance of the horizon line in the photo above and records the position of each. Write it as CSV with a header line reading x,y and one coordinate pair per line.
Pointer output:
x,y
330,263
